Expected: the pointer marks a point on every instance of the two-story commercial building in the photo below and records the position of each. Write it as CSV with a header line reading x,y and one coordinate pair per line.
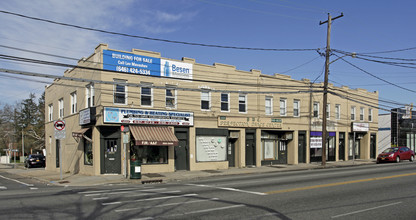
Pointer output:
x,y
118,107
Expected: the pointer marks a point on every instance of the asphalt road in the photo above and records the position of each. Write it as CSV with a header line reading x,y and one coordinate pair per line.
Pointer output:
x,y
382,191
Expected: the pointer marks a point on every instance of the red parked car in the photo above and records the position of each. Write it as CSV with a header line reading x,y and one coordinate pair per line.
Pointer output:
x,y
396,154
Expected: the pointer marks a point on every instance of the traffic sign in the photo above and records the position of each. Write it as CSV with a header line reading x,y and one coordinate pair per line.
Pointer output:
x,y
59,126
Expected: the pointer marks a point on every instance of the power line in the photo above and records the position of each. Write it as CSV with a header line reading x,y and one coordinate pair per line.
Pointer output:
x,y
150,38
368,73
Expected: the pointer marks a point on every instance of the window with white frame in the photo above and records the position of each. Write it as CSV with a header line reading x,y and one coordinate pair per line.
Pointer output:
x,y
61,107
283,107
370,114
50,112
269,105
171,97
328,111
120,91
205,100
225,102
353,113
316,109
337,111
89,95
242,103
73,102
146,95
296,108
361,113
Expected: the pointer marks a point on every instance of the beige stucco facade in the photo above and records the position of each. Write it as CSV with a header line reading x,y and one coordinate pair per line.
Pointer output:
x,y
254,113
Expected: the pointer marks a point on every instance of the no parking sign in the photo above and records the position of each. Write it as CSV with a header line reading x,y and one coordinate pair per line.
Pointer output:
x,y
59,127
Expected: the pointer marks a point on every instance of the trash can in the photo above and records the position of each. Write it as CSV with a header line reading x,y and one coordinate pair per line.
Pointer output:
x,y
135,169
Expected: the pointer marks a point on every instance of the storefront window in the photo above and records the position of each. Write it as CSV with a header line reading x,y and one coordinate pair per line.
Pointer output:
x,y
150,154
87,152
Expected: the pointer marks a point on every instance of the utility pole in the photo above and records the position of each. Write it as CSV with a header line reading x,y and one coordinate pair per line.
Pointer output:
x,y
325,98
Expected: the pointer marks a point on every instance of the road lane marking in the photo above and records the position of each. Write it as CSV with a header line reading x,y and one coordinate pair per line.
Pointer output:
x,y
122,191
165,205
103,191
364,210
17,181
194,212
228,189
149,199
338,183
3,187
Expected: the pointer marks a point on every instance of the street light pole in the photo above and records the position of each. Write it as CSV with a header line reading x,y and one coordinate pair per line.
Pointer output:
x,y
325,95
23,147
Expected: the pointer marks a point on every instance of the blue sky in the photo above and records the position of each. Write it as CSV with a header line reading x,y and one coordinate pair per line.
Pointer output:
x,y
367,26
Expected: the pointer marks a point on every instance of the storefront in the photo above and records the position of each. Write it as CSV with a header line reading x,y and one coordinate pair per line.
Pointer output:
x,y
316,146
274,147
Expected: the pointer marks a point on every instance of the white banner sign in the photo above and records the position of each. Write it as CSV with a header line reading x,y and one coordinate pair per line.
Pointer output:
x,y
175,69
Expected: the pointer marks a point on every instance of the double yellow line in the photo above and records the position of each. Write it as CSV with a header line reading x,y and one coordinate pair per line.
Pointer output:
x,y
338,183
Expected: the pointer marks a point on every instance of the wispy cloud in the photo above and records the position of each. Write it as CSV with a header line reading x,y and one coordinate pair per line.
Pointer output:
x,y
128,16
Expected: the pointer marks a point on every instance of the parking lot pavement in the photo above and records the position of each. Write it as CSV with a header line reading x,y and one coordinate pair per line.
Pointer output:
x,y
70,179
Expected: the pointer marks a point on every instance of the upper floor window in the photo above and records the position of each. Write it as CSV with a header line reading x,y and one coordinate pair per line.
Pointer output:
x,y
170,97
50,112
269,105
328,111
205,100
361,114
242,103
370,114
353,113
89,95
337,111
120,91
282,107
225,102
296,108
146,95
316,109
73,102
61,107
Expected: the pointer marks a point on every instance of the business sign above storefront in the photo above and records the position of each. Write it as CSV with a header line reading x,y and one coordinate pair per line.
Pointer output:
x,y
87,116
249,122
175,69
360,127
148,117
144,65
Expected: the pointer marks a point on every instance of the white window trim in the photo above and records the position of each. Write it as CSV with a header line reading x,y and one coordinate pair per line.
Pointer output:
x,y
121,81
313,109
285,106
328,111
89,93
298,108
245,103
151,94
362,112
353,113
271,105
228,101
338,114
209,100
74,103
174,98
61,108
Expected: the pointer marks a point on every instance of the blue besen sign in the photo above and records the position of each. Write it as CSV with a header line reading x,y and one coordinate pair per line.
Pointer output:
x,y
131,63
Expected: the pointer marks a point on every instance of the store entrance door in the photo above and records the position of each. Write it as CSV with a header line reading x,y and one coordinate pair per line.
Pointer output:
x,y
250,149
112,159
282,153
182,150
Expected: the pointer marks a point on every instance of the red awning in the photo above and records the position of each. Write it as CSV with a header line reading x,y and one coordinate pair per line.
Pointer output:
x,y
157,136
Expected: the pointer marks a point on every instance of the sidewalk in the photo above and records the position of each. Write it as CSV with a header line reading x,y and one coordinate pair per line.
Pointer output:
x,y
54,178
